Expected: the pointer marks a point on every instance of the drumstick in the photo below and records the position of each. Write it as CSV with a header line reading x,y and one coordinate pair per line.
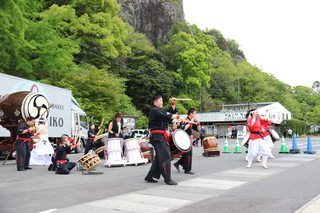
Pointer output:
x,y
143,136
181,99
47,109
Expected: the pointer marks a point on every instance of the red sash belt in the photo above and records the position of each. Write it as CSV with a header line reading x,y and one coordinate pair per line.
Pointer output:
x,y
23,139
62,161
165,133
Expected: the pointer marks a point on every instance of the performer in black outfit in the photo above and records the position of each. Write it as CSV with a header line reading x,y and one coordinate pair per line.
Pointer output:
x,y
159,139
186,158
63,166
22,144
92,133
115,126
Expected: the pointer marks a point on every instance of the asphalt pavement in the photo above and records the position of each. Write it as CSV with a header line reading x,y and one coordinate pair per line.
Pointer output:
x,y
220,184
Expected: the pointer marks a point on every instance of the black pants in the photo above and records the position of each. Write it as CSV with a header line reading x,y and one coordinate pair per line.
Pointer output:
x,y
201,139
89,146
186,161
161,164
23,151
64,168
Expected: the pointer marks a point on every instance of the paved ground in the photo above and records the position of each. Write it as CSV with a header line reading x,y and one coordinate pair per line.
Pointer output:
x,y
221,184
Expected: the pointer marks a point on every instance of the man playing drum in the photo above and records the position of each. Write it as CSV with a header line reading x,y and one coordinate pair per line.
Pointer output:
x,y
159,139
92,133
186,158
22,144
63,166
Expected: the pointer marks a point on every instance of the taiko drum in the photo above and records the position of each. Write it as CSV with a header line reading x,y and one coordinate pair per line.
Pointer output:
x,y
210,144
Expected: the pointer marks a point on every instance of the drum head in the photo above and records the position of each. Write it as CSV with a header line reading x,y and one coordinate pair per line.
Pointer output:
x,y
131,139
207,138
20,105
33,105
275,134
181,139
100,136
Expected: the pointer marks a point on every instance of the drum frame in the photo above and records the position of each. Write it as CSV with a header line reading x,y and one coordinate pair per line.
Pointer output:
x,y
136,157
109,161
82,164
174,143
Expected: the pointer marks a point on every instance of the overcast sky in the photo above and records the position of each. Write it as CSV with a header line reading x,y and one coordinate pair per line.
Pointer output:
x,y
281,37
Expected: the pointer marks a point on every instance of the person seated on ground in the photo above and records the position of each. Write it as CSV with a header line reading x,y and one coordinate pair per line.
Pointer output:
x,y
63,166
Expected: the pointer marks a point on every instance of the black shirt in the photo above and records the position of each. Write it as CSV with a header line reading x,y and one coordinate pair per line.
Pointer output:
x,y
92,132
158,118
62,152
21,128
189,130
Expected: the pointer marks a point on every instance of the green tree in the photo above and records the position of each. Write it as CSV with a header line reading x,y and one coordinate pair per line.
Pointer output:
x,y
98,92
148,80
316,86
314,116
14,47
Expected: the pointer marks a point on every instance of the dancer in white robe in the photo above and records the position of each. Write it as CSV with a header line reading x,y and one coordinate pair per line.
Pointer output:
x,y
42,150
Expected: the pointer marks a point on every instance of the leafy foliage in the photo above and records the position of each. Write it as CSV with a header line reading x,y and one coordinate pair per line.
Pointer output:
x,y
84,46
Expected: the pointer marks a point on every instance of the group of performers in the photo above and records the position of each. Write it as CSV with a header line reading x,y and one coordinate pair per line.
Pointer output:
x,y
259,143
158,120
42,152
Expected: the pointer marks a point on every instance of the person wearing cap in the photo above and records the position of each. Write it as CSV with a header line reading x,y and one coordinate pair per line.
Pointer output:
x,y
92,133
25,131
63,166
158,119
42,150
186,158
257,143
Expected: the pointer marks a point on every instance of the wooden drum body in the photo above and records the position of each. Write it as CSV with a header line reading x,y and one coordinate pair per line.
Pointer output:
x,y
144,146
20,105
90,161
133,151
114,152
210,144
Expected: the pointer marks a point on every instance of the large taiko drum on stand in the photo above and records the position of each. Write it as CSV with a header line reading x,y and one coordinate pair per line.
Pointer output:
x,y
15,108
133,151
20,105
180,143
210,146
114,152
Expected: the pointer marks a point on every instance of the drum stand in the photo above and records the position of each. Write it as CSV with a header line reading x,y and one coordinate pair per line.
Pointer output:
x,y
84,170
91,173
211,153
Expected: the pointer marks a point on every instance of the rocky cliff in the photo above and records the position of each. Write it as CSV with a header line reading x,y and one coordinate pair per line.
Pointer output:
x,y
154,18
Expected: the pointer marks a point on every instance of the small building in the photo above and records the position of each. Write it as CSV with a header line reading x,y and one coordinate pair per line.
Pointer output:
x,y
233,117
130,121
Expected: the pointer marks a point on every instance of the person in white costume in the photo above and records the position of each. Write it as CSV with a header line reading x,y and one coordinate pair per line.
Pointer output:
x,y
42,150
